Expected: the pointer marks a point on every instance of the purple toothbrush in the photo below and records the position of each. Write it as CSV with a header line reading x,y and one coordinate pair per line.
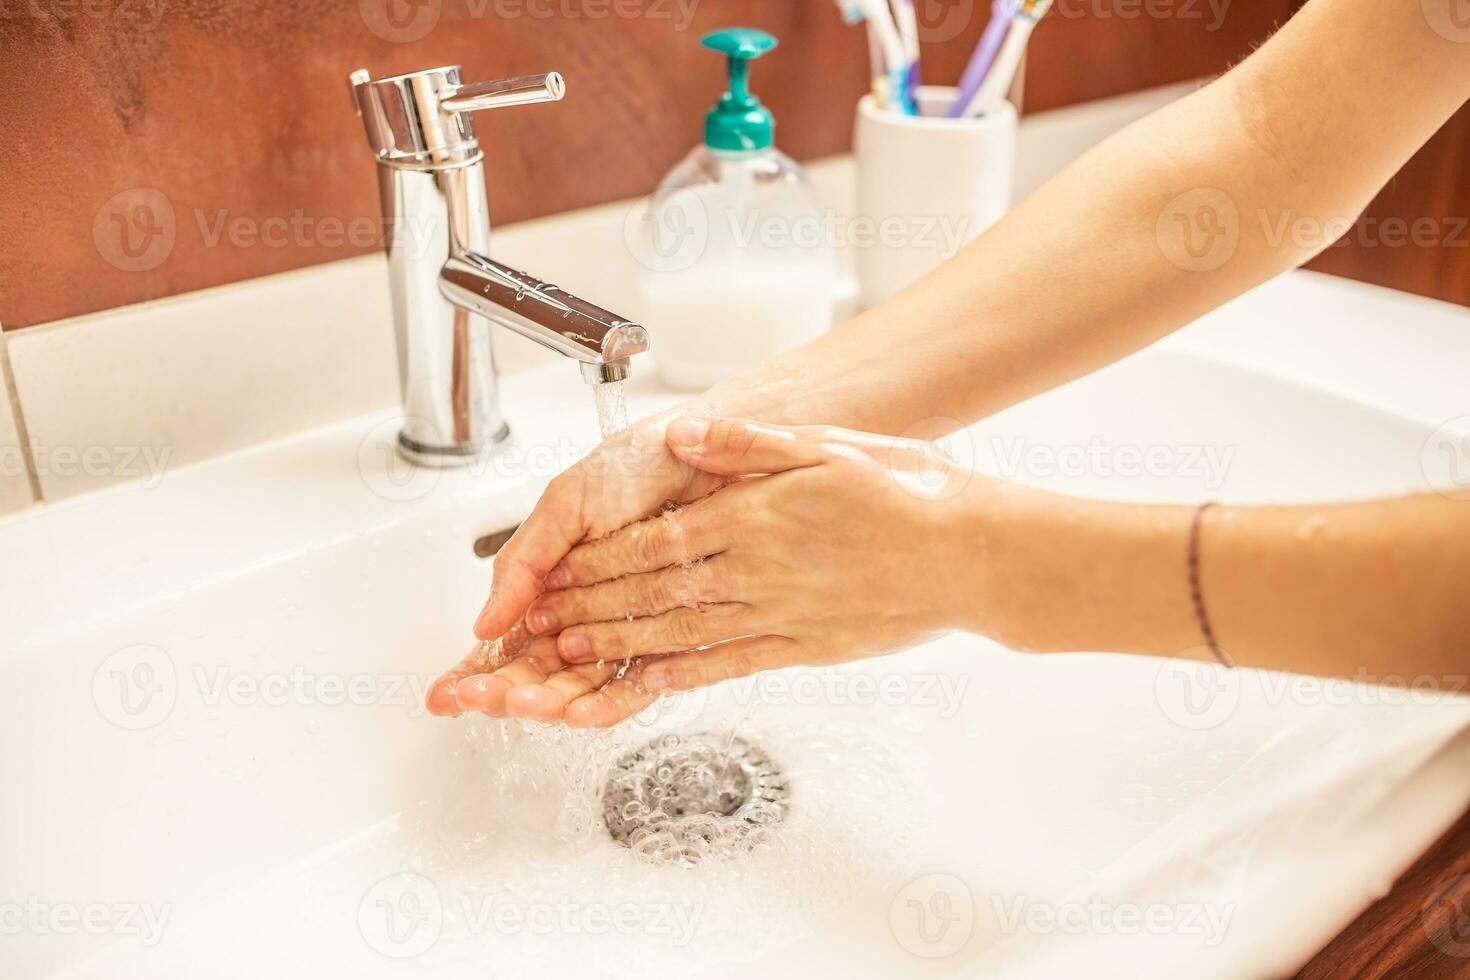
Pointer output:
x,y
1001,14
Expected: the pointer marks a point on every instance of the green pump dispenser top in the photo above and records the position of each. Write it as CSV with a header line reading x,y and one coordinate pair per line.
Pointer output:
x,y
739,122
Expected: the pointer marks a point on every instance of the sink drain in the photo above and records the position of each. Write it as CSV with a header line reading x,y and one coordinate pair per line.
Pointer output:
x,y
683,797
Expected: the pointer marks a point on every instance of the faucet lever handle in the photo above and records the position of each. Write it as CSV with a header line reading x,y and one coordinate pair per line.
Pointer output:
x,y
525,90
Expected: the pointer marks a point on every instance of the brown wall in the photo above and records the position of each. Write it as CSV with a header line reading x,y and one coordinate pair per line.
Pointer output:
x,y
142,149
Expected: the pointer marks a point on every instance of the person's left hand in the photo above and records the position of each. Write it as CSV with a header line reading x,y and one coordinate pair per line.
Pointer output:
x,y
528,679
829,546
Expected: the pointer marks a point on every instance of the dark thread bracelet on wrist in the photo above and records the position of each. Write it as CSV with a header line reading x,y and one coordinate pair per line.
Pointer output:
x,y
1196,594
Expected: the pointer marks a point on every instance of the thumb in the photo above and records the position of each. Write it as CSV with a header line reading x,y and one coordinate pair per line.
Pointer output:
x,y
734,447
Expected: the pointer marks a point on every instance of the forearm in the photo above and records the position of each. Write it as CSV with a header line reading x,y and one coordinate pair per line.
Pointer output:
x,y
1373,589
1096,265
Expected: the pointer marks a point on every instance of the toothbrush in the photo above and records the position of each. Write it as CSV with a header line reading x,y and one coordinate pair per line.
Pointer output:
x,y
908,26
892,69
1001,14
879,73
907,23
880,22
853,13
993,90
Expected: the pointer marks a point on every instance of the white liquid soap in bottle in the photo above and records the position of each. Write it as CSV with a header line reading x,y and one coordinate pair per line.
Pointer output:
x,y
736,261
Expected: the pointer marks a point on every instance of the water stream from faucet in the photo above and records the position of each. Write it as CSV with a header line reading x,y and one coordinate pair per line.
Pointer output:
x,y
612,408
612,417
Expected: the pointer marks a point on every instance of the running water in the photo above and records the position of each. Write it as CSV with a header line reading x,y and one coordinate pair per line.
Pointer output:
x,y
612,418
806,805
664,829
612,408
576,762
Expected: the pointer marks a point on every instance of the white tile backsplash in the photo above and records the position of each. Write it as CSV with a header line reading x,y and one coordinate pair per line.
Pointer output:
x,y
117,395
15,482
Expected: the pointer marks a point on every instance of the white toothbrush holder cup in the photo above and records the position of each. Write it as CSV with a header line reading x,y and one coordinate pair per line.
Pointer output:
x,y
926,186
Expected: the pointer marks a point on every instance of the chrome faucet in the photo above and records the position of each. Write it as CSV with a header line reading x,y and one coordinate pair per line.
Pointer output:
x,y
446,290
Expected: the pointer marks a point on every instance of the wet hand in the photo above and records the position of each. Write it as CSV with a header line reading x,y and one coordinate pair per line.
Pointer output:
x,y
525,677
829,545
628,477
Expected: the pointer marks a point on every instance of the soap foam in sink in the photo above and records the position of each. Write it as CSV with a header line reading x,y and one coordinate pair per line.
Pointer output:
x,y
520,822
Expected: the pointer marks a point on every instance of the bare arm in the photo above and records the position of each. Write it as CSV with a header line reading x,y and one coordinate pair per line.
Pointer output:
x,y
1088,269
1156,226
1370,590
829,550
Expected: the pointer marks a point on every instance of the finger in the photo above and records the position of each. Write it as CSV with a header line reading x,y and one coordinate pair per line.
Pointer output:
x,y
735,447
676,536
618,701
548,701
486,692
645,594
521,564
738,658
671,632
440,698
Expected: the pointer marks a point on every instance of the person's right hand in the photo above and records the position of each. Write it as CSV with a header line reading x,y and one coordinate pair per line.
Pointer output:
x,y
628,477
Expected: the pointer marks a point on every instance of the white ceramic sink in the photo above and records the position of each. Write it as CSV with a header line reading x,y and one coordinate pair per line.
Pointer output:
x,y
217,763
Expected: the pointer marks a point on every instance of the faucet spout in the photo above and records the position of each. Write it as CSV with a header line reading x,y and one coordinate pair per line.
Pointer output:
x,y
446,292
599,340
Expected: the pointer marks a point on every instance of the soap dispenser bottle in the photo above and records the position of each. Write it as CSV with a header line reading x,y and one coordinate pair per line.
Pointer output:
x,y
737,262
